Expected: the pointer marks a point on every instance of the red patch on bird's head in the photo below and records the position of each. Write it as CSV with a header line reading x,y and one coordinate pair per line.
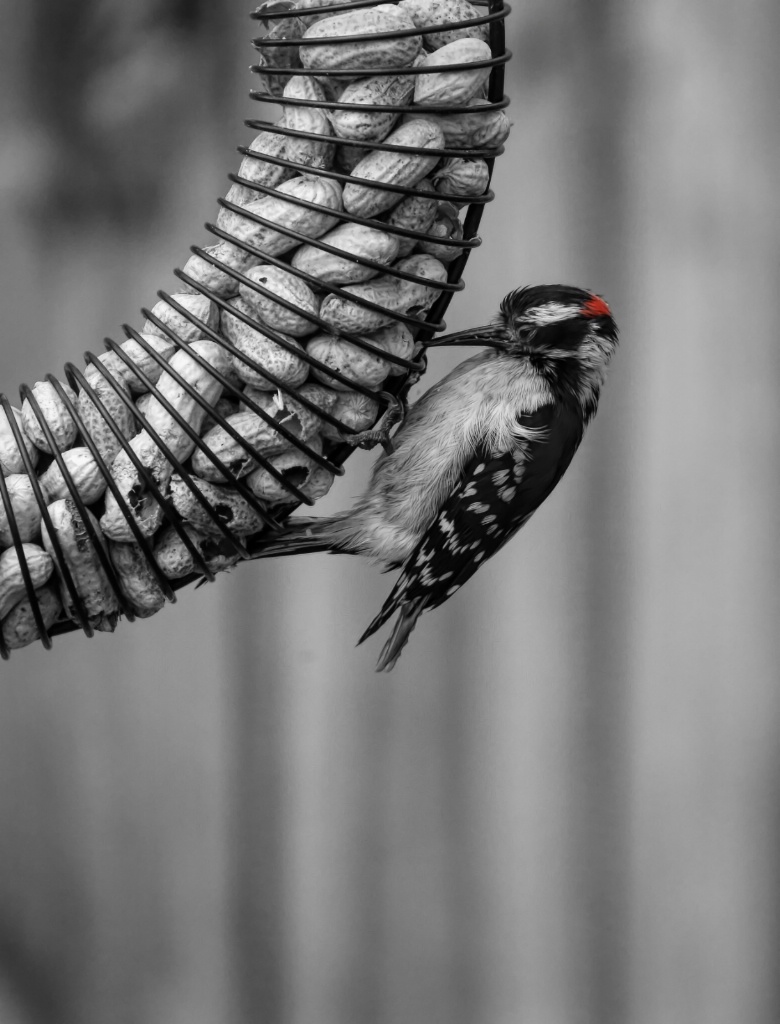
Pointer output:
x,y
596,306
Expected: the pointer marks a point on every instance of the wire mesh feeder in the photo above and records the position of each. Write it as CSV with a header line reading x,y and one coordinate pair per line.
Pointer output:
x,y
169,458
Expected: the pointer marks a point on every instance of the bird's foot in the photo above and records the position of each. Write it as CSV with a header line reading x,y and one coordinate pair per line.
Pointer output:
x,y
394,414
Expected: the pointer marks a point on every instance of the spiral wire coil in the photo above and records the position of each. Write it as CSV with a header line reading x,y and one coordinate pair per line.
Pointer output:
x,y
423,330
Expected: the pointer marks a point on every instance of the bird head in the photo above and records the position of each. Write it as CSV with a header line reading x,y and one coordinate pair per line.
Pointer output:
x,y
547,324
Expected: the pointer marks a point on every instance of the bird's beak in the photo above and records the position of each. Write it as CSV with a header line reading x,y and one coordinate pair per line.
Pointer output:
x,y
492,336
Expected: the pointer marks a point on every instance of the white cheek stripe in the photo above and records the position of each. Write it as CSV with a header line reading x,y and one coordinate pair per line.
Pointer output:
x,y
550,313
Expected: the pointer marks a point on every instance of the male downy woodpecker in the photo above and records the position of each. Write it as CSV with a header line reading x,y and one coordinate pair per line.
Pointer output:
x,y
476,455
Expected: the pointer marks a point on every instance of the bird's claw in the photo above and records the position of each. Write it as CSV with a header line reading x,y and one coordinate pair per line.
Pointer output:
x,y
394,414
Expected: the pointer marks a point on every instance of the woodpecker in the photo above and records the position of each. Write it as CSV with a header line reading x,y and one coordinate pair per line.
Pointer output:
x,y
476,455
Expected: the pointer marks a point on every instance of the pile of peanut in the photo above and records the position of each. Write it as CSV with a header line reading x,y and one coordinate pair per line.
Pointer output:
x,y
257,368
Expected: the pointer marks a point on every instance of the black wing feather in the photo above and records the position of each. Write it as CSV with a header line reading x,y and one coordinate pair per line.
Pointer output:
x,y
496,494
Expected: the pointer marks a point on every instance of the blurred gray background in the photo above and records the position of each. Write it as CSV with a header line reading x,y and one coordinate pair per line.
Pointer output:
x,y
564,805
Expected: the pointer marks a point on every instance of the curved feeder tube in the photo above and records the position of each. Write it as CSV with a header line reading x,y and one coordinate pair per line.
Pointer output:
x,y
96,391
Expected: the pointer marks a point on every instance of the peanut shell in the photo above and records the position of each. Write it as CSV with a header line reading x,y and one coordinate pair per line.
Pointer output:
x,y
414,213
446,226
285,214
12,585
25,508
201,381
232,510
19,626
176,561
288,287
473,129
463,176
89,577
87,476
11,460
452,88
131,483
430,13
396,339
357,241
199,306
258,348
136,578
394,295
364,126
259,170
310,152
353,56
108,394
258,436
278,58
134,488
350,360
54,412
311,5
302,472
360,412
294,416
393,168
214,278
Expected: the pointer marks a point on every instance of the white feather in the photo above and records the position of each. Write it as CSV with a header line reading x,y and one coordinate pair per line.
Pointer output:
x,y
479,402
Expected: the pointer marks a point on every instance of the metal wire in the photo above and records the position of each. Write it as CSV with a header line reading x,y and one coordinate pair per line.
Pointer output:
x,y
103,384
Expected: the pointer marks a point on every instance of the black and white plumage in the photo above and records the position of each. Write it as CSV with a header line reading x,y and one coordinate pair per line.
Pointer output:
x,y
477,454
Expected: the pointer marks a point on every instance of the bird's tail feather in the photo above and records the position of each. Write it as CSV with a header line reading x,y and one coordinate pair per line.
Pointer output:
x,y
410,612
299,536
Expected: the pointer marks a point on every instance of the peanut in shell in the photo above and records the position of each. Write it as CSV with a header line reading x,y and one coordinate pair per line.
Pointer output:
x,y
414,213
358,242
258,170
350,360
86,474
256,352
395,295
282,213
24,507
296,467
452,88
90,580
393,168
427,14
353,410
463,176
131,483
106,398
136,578
352,57
204,273
289,288
200,314
19,626
446,226
313,120
231,509
54,412
11,460
294,416
12,585
200,382
176,560
364,126
474,129
239,458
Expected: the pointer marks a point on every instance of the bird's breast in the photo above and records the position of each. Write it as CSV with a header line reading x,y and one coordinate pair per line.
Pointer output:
x,y
477,404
